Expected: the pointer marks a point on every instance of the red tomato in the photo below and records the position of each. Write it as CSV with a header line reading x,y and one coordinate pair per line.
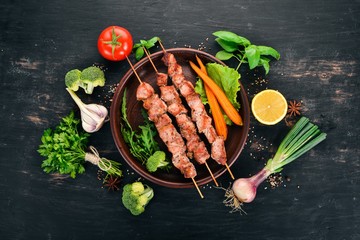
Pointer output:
x,y
115,43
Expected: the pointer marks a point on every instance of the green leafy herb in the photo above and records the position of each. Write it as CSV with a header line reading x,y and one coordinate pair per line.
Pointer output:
x,y
142,144
230,38
245,52
199,88
64,149
139,47
227,79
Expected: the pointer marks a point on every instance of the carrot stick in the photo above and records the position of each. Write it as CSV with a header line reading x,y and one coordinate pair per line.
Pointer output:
x,y
219,121
225,103
201,65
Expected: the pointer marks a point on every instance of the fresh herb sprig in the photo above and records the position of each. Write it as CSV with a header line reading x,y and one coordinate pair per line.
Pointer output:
x,y
139,47
240,48
64,149
142,144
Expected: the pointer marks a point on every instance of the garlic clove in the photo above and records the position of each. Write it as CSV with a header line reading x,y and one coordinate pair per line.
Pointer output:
x,y
97,117
93,116
100,110
90,128
88,122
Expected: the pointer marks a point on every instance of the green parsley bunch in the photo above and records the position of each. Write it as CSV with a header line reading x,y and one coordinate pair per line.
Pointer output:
x,y
64,149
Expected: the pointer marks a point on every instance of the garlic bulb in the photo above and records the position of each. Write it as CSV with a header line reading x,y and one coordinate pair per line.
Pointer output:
x,y
92,115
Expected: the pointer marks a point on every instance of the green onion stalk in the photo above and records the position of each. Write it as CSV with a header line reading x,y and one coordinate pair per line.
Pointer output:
x,y
301,138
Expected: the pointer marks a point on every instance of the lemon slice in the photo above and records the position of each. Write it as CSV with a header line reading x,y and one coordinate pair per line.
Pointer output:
x,y
269,107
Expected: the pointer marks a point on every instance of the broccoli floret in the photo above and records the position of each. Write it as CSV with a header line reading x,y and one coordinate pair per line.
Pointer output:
x,y
73,79
88,79
157,160
92,77
136,196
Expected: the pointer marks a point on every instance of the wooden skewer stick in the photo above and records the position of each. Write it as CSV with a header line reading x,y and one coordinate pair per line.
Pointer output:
x,y
212,175
139,79
162,47
228,168
197,188
148,56
132,67
207,166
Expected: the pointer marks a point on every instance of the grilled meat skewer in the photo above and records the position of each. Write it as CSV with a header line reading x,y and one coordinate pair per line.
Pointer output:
x,y
198,112
157,109
195,146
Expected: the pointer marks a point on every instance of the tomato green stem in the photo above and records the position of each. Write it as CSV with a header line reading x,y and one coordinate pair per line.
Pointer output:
x,y
114,41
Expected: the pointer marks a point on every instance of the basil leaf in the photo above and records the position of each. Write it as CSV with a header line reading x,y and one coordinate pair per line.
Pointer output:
x,y
151,42
138,48
136,45
232,37
264,50
223,55
227,46
252,55
265,63
139,53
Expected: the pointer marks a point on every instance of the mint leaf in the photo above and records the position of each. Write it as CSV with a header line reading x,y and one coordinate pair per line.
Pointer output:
x,y
151,42
138,47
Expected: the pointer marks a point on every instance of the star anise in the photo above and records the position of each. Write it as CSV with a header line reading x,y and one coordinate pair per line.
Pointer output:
x,y
294,108
112,183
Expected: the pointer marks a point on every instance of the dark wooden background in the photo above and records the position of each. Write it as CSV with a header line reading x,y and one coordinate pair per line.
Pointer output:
x,y
319,46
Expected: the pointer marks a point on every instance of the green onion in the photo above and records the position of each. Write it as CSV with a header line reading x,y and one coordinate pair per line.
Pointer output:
x,y
301,138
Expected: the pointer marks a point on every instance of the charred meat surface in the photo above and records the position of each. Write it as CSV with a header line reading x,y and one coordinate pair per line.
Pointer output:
x,y
198,112
157,109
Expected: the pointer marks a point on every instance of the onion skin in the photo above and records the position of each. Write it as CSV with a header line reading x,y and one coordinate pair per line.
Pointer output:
x,y
245,188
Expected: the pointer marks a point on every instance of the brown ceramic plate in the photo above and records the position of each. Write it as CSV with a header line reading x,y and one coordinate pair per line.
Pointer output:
x,y
174,179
